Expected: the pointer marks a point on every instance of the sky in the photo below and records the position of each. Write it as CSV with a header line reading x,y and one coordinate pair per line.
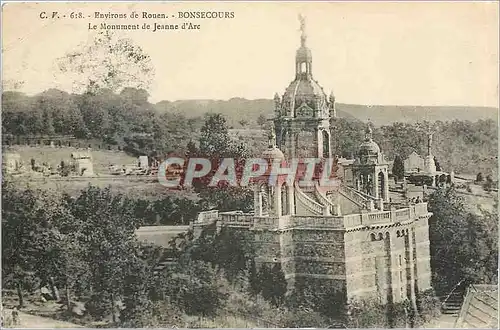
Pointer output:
x,y
366,53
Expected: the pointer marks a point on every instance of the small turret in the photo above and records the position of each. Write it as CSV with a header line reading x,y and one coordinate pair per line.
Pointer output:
x,y
332,107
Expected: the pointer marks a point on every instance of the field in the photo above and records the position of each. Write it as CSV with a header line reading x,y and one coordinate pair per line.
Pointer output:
x,y
102,159
132,186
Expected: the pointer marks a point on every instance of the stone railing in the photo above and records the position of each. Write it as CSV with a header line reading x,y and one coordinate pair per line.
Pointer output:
x,y
316,221
207,216
265,222
379,217
353,196
327,203
352,220
234,218
307,202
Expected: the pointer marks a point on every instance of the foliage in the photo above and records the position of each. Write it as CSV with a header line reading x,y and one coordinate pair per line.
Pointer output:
x,y
196,288
216,144
429,305
108,62
367,314
273,283
398,168
463,245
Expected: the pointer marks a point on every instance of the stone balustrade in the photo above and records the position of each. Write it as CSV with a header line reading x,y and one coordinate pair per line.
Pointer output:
x,y
307,201
207,216
236,218
316,221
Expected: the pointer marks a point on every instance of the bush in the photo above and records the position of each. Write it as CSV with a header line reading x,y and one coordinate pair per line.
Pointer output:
x,y
429,305
367,314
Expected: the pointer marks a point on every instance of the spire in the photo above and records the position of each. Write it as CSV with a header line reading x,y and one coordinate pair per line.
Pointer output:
x,y
303,36
303,59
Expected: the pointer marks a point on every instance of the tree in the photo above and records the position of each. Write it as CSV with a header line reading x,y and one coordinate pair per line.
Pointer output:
x,y
254,283
398,168
22,238
479,177
463,245
108,62
273,283
108,229
261,120
195,287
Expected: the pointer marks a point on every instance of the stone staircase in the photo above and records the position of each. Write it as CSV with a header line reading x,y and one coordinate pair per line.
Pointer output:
x,y
453,303
166,260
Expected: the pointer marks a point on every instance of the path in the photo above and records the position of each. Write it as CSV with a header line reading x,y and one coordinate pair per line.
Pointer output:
x,y
443,321
37,322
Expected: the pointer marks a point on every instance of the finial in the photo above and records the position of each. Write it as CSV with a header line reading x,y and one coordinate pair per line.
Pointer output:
x,y
272,138
303,36
368,132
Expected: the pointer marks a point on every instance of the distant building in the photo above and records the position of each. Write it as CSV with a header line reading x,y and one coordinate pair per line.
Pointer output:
x,y
423,170
143,162
11,162
83,163
414,163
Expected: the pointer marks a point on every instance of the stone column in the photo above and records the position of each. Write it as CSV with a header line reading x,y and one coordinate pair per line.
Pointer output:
x,y
291,200
375,185
257,201
380,204
413,296
319,143
292,144
277,202
386,186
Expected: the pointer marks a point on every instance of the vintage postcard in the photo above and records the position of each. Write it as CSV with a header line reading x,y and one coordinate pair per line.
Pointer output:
x,y
250,164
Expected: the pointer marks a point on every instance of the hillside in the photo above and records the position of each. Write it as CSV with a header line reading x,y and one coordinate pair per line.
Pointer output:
x,y
238,109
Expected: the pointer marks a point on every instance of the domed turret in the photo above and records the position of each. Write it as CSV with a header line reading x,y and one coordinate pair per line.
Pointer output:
x,y
369,147
272,152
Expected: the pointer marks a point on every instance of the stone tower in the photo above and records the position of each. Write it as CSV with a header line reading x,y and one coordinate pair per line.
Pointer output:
x,y
302,115
370,170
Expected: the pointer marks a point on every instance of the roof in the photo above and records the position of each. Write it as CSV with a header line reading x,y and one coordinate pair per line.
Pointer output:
x,y
304,89
480,308
369,147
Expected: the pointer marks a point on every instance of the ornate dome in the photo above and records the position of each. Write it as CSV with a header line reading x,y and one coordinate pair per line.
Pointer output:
x,y
369,147
273,153
304,90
